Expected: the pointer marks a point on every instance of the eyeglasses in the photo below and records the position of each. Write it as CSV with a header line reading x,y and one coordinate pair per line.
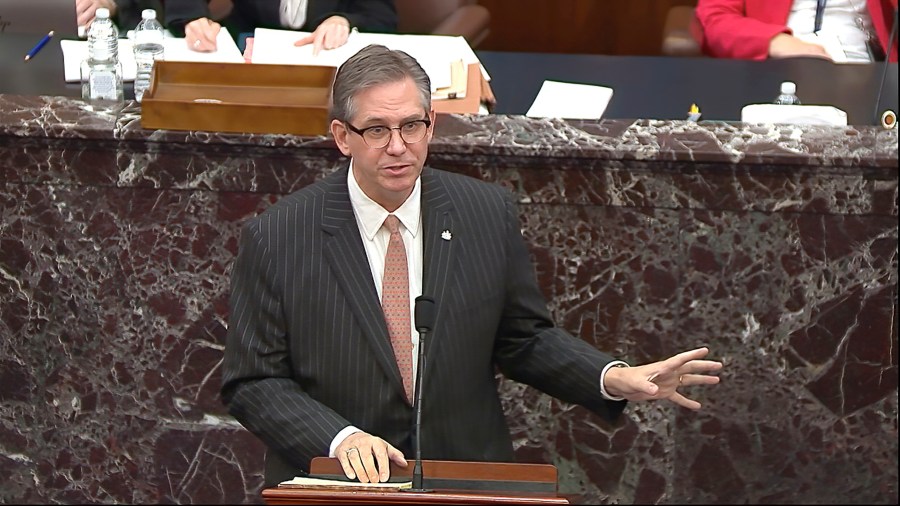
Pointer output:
x,y
379,136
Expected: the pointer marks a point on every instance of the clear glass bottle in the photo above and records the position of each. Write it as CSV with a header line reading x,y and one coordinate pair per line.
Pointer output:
x,y
148,47
788,94
101,71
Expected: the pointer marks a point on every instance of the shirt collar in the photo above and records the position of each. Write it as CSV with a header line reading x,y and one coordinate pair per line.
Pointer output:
x,y
371,215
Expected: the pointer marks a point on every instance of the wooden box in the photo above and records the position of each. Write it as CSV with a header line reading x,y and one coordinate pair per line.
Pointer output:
x,y
470,103
238,97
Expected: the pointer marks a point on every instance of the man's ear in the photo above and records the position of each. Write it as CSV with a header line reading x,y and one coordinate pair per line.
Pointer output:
x,y
431,116
339,132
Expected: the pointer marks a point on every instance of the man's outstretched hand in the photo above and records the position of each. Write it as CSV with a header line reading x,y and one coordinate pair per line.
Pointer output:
x,y
663,379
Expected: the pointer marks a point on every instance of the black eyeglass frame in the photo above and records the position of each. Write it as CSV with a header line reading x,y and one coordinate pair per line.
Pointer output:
x,y
362,131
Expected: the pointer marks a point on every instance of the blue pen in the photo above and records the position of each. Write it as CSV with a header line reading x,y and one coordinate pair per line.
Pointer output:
x,y
39,46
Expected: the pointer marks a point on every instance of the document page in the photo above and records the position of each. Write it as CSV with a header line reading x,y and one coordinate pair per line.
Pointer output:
x,y
794,114
570,101
435,53
75,51
307,482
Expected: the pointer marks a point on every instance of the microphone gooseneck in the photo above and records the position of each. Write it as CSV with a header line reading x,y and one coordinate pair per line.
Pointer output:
x,y
424,321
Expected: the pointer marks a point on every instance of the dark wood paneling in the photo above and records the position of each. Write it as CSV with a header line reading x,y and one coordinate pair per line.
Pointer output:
x,y
615,27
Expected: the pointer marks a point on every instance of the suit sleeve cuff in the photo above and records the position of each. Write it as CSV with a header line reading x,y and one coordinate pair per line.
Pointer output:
x,y
340,437
603,392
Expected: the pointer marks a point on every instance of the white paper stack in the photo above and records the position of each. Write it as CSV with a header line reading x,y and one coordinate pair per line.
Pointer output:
x,y
570,101
794,114
435,53
75,51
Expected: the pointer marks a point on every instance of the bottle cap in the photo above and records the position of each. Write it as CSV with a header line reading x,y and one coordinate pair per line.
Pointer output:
x,y
788,88
102,13
148,14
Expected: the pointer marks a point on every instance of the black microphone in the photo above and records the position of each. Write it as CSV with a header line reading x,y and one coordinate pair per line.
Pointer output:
x,y
424,323
889,118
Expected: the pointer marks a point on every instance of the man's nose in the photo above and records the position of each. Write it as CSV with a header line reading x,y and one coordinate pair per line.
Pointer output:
x,y
396,143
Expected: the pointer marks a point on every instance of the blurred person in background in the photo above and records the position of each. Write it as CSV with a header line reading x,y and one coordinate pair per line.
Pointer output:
x,y
125,13
330,21
760,29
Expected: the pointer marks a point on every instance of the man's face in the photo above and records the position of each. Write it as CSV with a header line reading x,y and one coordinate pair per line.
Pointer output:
x,y
387,175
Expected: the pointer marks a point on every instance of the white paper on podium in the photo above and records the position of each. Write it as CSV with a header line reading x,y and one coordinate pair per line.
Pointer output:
x,y
570,101
794,114
75,51
433,52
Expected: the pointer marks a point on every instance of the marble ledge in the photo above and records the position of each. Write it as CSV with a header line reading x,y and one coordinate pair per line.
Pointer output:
x,y
503,135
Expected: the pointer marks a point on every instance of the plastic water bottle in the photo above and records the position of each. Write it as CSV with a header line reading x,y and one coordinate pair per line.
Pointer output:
x,y
101,71
788,94
148,47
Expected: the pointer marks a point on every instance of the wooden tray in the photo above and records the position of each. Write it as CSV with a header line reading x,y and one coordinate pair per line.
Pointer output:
x,y
471,103
239,97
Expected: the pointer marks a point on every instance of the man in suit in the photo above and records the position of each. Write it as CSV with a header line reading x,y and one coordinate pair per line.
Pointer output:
x,y
760,29
317,361
330,21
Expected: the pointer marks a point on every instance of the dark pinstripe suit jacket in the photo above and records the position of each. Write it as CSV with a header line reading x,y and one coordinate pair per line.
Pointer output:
x,y
308,350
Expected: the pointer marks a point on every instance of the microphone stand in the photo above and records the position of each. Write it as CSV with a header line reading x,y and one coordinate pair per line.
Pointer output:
x,y
424,323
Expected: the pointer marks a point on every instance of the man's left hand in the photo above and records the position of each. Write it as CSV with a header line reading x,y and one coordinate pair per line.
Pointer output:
x,y
661,380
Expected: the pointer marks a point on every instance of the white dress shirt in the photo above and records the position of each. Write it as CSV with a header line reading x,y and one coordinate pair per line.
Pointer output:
x,y
375,237
292,13
846,21
370,218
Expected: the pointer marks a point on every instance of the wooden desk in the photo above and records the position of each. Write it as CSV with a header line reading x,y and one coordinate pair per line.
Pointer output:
x,y
42,75
645,87
449,482
661,87
307,496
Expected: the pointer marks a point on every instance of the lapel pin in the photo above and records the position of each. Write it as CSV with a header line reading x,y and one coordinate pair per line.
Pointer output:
x,y
446,235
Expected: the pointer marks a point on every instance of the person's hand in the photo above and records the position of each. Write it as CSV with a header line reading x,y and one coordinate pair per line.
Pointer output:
x,y
200,34
661,380
367,457
332,33
784,45
85,10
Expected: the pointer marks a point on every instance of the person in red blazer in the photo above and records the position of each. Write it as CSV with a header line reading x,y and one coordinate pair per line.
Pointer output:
x,y
757,29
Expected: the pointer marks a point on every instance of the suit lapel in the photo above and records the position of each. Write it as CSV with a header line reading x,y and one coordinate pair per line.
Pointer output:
x,y
439,250
346,255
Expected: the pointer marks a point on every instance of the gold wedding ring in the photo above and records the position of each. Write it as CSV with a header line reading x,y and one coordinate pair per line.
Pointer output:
x,y
680,382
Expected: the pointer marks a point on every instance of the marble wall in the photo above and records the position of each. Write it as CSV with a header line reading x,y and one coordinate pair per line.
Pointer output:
x,y
776,247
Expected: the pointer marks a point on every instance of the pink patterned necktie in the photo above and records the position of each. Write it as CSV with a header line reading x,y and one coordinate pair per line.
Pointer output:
x,y
395,302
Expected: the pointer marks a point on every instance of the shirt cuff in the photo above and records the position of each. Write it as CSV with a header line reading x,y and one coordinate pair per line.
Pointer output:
x,y
603,392
341,436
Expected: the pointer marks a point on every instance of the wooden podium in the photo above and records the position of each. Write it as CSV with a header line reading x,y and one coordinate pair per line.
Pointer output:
x,y
449,482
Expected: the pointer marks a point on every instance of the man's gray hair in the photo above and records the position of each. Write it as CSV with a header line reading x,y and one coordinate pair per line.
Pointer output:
x,y
372,66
